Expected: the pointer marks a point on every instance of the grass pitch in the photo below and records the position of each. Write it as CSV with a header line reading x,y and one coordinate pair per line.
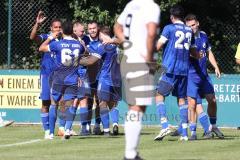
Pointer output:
x,y
26,143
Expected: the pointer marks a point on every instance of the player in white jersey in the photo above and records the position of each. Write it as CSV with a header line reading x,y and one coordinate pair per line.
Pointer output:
x,y
136,28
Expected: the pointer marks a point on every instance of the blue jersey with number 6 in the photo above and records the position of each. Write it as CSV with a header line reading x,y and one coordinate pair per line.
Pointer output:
x,y
68,53
179,38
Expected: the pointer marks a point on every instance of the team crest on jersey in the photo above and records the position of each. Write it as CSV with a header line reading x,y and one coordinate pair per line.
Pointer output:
x,y
204,45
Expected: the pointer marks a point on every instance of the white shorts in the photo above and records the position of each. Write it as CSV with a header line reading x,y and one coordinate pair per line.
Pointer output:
x,y
138,84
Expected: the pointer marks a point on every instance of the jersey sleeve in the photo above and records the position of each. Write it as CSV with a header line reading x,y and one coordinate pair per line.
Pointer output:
x,y
209,47
165,34
152,14
43,37
99,52
122,17
53,47
237,56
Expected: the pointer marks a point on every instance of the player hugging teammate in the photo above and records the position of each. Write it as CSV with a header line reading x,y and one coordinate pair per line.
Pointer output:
x,y
81,72
66,80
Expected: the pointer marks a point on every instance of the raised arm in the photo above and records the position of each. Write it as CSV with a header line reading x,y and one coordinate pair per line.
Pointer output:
x,y
39,20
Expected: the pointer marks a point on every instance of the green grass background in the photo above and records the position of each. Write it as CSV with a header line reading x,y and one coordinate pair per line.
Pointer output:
x,y
112,148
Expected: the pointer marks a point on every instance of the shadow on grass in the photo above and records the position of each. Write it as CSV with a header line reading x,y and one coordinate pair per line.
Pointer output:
x,y
97,137
202,139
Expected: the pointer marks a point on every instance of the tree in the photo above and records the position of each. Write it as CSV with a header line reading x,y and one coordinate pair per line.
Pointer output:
x,y
106,11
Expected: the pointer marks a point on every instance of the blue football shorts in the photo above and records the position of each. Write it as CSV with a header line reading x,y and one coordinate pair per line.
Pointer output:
x,y
198,87
175,84
108,93
68,92
45,83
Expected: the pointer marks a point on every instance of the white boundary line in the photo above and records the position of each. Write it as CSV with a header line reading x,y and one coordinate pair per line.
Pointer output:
x,y
21,143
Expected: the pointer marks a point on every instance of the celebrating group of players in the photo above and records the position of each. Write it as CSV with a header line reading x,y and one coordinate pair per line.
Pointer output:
x,y
185,52
65,79
77,69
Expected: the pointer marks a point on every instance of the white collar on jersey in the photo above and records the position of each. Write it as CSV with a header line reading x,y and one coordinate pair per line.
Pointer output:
x,y
92,39
68,38
178,21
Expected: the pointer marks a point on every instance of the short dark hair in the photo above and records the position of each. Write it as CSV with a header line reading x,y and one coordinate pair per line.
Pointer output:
x,y
93,21
177,11
67,28
191,17
106,30
55,20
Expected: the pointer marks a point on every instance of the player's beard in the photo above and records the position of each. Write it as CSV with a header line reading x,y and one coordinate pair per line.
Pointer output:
x,y
94,35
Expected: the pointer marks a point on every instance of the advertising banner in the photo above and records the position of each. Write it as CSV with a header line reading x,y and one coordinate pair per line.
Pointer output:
x,y
20,89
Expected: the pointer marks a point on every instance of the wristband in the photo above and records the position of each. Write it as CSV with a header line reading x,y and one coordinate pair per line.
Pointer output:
x,y
50,37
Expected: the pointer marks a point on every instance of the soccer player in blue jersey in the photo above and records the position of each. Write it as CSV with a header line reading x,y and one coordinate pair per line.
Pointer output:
x,y
96,38
47,66
84,91
92,74
178,42
78,29
199,82
65,76
108,85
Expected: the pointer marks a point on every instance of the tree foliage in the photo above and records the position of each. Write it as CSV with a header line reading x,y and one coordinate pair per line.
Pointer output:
x,y
218,18
105,11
